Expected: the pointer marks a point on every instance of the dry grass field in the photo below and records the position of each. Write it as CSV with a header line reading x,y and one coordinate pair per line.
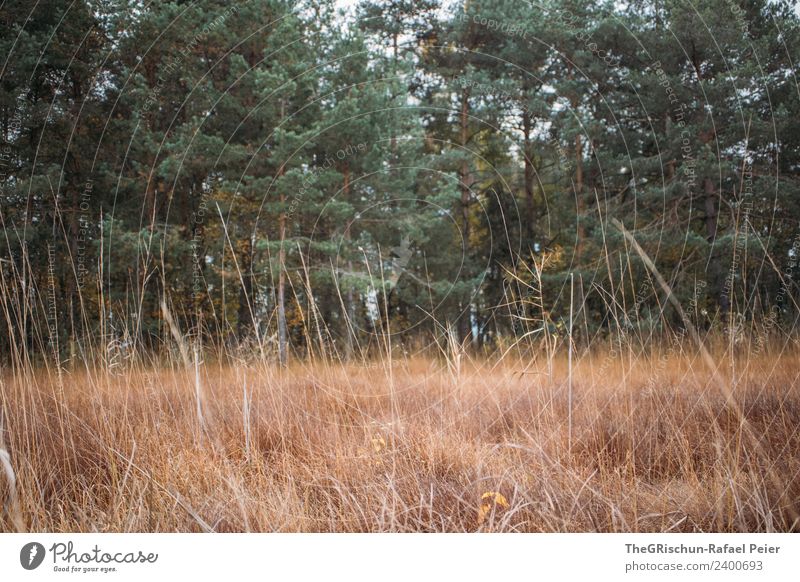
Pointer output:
x,y
657,443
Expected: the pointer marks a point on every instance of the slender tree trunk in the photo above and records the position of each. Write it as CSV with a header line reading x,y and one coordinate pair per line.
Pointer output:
x,y
464,177
283,336
711,215
351,315
245,315
393,142
71,282
465,182
529,176
283,355
350,296
710,209
579,204
149,206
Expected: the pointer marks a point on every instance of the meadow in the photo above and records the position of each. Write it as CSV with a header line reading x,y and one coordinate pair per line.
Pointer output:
x,y
652,442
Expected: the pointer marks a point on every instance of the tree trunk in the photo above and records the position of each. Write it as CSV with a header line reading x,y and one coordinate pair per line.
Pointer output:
x,y
579,206
711,214
71,290
283,351
245,314
393,143
529,177
465,328
283,355
349,320
710,209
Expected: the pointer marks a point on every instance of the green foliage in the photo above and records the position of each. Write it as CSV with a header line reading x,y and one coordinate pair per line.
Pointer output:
x,y
390,174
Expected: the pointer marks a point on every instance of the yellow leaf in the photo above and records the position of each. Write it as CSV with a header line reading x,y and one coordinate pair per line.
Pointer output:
x,y
378,443
498,498
488,500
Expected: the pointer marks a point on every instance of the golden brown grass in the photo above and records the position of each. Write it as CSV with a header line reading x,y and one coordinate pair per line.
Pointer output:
x,y
656,446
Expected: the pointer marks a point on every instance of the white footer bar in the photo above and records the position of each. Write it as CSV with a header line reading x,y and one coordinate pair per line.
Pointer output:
x,y
384,557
